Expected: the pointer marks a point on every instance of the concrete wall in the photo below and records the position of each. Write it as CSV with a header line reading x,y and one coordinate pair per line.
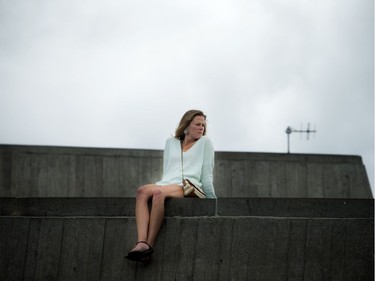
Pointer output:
x,y
228,239
32,171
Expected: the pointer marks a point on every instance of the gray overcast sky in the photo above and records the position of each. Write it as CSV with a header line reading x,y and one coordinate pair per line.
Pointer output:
x,y
121,73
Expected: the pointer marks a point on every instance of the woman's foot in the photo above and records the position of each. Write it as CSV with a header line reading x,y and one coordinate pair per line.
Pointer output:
x,y
141,246
142,251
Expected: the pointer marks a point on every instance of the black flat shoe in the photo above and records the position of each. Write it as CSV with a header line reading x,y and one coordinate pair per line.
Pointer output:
x,y
142,256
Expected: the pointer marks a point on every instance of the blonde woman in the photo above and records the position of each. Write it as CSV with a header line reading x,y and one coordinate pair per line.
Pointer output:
x,y
198,165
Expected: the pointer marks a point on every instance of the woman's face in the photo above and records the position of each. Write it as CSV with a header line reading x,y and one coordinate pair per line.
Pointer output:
x,y
196,127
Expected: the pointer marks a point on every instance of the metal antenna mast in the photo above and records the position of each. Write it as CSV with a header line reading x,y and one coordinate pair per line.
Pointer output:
x,y
290,130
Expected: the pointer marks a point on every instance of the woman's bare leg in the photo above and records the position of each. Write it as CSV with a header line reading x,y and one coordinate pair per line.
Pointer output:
x,y
149,223
158,208
142,212
156,216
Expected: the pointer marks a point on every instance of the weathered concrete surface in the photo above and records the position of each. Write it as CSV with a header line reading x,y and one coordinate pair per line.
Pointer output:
x,y
237,246
322,228
225,207
36,171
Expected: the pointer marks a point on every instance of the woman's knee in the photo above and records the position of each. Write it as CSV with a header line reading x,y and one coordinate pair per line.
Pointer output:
x,y
158,197
143,192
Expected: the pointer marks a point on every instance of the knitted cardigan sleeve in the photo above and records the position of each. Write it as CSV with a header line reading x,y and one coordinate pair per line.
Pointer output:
x,y
166,156
208,168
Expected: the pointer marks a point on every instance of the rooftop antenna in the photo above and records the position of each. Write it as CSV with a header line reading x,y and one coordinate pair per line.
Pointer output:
x,y
290,130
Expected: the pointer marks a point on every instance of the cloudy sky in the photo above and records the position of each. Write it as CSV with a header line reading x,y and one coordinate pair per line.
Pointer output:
x,y
120,73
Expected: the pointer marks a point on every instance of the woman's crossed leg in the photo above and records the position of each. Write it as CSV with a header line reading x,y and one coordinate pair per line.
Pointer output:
x,y
149,221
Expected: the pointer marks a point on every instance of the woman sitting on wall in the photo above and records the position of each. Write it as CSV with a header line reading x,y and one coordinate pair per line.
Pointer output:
x,y
188,155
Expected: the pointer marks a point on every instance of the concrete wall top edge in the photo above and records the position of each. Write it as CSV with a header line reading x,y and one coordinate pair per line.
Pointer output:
x,y
271,156
81,150
273,207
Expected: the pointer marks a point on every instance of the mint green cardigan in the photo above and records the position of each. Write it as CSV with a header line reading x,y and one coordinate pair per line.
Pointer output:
x,y
198,164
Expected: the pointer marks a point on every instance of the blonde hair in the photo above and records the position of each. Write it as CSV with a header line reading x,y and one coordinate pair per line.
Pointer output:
x,y
185,122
